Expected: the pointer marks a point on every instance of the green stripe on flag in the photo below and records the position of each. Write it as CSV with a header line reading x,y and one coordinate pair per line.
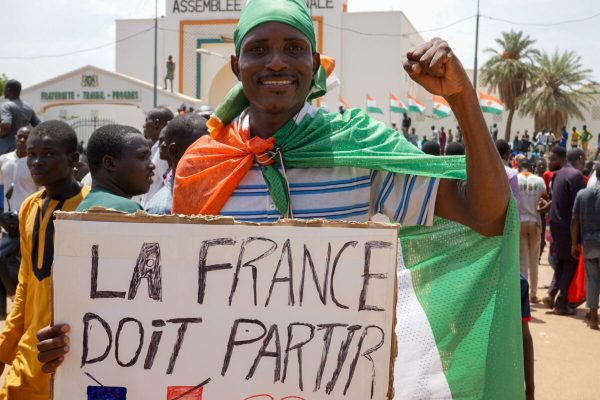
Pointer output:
x,y
440,113
374,110
491,110
398,110
414,109
470,329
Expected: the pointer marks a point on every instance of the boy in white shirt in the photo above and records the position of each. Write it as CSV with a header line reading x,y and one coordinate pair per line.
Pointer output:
x,y
532,188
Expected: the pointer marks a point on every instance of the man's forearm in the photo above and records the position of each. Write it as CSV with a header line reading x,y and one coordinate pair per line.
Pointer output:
x,y
528,359
487,190
575,230
4,129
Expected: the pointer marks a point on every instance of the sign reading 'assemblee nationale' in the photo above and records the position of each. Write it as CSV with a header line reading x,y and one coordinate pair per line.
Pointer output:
x,y
204,6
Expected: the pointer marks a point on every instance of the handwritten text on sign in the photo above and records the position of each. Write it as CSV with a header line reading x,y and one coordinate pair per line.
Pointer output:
x,y
214,312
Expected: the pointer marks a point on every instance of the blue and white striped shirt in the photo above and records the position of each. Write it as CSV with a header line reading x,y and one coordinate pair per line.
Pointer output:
x,y
342,193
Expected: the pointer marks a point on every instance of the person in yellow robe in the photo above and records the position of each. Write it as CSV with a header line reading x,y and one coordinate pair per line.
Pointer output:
x,y
51,156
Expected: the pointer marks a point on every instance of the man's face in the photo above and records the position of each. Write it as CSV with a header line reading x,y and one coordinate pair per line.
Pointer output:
x,y
276,67
21,142
580,163
540,168
151,130
81,168
48,161
555,162
134,169
162,148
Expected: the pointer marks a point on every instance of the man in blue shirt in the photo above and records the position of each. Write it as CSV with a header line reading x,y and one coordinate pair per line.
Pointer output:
x,y
14,114
177,136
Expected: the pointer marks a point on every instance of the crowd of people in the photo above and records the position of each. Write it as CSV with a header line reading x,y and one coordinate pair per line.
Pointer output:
x,y
545,140
166,169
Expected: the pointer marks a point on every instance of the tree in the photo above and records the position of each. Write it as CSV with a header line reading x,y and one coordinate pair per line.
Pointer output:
x,y
3,78
560,89
509,70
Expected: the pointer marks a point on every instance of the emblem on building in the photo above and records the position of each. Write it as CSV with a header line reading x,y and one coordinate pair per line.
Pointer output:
x,y
89,80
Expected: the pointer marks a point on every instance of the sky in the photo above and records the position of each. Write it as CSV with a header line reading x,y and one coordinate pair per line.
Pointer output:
x,y
48,29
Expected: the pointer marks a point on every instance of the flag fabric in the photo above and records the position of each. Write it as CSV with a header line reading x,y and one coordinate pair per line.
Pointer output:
x,y
490,104
372,106
343,103
441,108
396,106
415,105
452,344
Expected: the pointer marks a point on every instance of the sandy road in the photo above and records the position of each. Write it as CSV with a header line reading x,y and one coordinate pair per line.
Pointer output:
x,y
567,352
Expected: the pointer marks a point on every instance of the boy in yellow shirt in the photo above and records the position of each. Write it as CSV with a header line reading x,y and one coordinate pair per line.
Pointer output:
x,y
51,156
575,138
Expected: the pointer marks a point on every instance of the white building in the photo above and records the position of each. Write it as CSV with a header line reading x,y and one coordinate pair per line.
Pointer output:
x,y
368,48
89,97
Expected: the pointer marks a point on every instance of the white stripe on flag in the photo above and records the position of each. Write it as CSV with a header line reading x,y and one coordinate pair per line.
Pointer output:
x,y
416,347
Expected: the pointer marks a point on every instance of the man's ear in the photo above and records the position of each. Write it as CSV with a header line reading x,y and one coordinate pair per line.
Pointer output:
x,y
109,163
173,152
316,62
235,65
74,158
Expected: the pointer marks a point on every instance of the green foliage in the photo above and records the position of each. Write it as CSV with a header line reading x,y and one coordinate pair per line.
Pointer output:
x,y
559,90
3,78
510,69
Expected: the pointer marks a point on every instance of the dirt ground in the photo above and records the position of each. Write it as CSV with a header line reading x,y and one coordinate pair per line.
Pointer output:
x,y
567,352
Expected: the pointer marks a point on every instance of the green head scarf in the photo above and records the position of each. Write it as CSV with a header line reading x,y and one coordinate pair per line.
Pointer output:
x,y
291,12
257,12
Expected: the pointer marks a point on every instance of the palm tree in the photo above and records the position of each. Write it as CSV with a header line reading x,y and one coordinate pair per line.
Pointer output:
x,y
509,70
560,89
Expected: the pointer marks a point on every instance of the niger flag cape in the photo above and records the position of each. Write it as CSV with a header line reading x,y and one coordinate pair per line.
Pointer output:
x,y
466,284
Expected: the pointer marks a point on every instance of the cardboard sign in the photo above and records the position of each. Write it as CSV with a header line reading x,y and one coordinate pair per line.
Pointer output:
x,y
182,308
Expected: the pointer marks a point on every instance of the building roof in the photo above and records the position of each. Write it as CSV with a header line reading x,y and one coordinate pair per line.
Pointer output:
x,y
176,96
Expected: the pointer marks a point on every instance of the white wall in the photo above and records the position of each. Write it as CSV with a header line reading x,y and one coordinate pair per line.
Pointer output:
x,y
373,64
135,55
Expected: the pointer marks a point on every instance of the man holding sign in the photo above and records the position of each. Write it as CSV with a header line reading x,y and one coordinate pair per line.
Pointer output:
x,y
271,154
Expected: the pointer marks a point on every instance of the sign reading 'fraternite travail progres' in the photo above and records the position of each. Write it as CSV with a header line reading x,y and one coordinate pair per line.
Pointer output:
x,y
173,308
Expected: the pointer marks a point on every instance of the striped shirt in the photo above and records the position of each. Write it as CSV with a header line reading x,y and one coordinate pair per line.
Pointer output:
x,y
341,193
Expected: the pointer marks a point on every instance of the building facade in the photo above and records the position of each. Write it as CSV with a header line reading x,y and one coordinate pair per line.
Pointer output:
x,y
368,49
90,97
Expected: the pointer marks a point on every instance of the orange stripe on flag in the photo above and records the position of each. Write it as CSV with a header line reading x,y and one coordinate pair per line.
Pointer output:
x,y
343,103
413,98
485,96
441,100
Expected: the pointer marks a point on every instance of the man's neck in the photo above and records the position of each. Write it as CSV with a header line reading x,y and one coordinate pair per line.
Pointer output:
x,y
264,125
63,190
110,187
